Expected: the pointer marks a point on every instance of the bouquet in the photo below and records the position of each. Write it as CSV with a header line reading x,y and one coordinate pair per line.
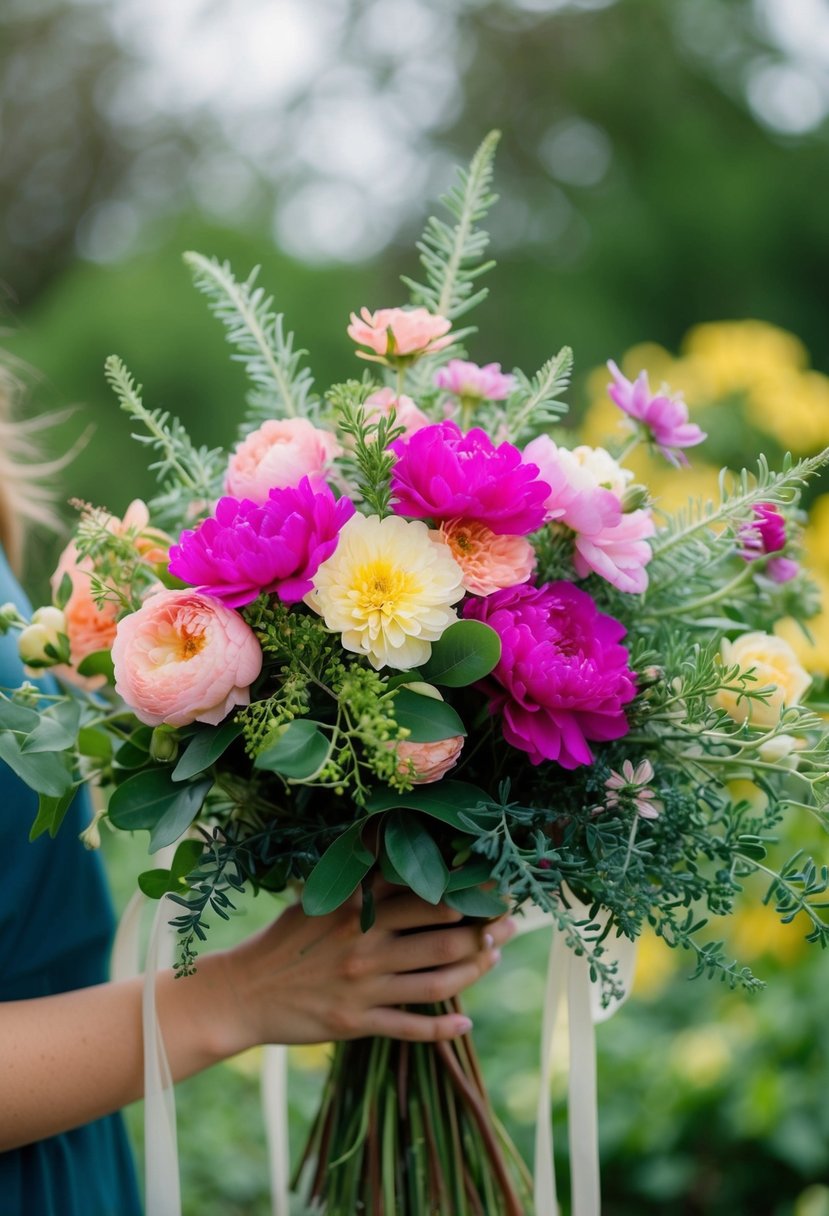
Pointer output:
x,y
410,627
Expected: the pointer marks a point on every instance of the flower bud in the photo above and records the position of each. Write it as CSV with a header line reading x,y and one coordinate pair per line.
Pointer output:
x,y
32,643
163,744
9,616
634,498
90,837
423,690
51,618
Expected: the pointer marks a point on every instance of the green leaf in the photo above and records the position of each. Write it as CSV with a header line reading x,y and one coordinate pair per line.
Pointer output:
x,y
99,663
416,857
338,873
299,752
467,651
64,592
155,883
445,800
204,749
472,901
151,801
56,731
44,772
187,857
95,743
426,718
17,717
51,812
470,875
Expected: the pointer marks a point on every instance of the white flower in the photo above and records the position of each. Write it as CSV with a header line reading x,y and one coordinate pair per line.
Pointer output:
x,y
605,472
388,589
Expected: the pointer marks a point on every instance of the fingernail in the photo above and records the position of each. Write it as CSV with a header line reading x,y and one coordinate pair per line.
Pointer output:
x,y
511,926
464,1025
489,941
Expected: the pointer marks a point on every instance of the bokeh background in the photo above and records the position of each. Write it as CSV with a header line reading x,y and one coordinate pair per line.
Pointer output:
x,y
663,177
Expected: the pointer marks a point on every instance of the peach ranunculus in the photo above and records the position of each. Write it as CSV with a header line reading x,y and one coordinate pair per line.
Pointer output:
x,y
380,404
183,657
152,545
775,665
393,334
489,562
423,763
88,626
277,456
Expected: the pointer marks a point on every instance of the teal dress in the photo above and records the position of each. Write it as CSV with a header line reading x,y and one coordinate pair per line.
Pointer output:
x,y
56,929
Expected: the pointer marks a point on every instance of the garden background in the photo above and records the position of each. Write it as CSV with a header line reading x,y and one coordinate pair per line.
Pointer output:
x,y
662,178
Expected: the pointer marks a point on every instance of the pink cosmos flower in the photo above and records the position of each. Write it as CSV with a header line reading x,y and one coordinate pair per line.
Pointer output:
x,y
489,562
443,474
276,546
183,657
633,782
424,763
765,534
563,678
665,417
487,383
279,454
380,404
394,333
619,553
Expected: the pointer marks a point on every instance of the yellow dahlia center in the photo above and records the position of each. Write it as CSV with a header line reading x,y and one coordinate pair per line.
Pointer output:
x,y
382,587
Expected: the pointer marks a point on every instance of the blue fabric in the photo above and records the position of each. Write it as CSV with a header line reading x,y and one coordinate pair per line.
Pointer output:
x,y
56,928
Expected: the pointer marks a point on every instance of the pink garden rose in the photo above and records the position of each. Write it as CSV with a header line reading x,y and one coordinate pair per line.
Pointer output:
x,y
183,657
489,562
279,454
468,380
665,417
424,763
563,678
380,404
395,333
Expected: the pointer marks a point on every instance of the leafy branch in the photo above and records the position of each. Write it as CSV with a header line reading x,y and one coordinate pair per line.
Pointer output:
x,y
536,403
371,460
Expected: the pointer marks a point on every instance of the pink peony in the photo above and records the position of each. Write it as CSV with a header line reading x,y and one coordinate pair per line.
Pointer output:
x,y
489,562
279,454
765,534
395,333
468,380
563,677
575,498
423,763
380,404
665,417
443,474
618,554
183,657
276,546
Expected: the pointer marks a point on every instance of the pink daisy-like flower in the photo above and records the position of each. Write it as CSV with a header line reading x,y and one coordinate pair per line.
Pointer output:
x,y
633,782
489,562
443,474
276,546
398,333
468,380
664,416
563,678
766,534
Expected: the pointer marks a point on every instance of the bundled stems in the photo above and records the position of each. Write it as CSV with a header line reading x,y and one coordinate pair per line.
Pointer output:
x,y
406,1129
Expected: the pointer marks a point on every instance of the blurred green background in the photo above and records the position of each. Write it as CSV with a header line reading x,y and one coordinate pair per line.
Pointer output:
x,y
662,173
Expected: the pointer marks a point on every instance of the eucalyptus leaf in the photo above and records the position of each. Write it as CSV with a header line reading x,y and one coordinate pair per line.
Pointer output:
x,y
466,651
51,813
472,901
17,717
44,772
415,855
299,752
99,663
472,874
204,749
154,883
427,719
56,731
150,800
338,873
94,742
445,800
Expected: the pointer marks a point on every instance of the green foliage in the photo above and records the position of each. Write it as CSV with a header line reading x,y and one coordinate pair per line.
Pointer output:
x,y
465,652
150,799
415,855
282,385
424,719
338,873
536,403
370,458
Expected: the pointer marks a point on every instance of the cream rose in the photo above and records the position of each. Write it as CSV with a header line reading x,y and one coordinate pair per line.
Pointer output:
x,y
775,666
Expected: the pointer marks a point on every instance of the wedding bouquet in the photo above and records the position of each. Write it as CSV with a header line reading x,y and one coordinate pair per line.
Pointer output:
x,y
410,627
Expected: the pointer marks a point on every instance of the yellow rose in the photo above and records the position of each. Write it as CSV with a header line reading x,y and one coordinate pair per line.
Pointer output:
x,y
774,666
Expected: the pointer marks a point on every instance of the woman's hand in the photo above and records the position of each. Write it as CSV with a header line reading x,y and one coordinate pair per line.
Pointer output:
x,y
311,979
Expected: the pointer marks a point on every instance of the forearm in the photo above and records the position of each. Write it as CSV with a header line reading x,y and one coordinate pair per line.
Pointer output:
x,y
73,1057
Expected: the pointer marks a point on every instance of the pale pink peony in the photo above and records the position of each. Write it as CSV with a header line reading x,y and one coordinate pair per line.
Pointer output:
x,y
423,763
619,553
488,561
183,657
396,333
468,380
380,404
575,498
278,455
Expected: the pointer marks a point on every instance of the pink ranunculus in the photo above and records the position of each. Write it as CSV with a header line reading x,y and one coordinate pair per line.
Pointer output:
x,y
468,380
276,546
489,562
396,333
183,657
443,474
279,454
575,498
664,416
563,679
765,534
619,553
423,763
380,404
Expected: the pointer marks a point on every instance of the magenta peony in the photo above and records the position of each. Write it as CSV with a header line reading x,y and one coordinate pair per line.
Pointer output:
x,y
183,657
563,678
276,546
279,454
443,474
765,534
664,416
399,333
468,380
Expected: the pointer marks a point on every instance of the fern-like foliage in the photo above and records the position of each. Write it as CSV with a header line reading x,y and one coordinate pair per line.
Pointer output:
x,y
536,402
281,383
180,466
